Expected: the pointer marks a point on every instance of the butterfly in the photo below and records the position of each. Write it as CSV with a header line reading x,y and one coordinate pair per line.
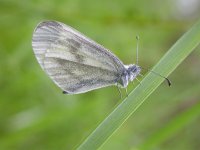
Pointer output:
x,y
76,63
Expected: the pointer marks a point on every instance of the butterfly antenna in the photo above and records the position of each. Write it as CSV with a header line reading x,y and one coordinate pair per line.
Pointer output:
x,y
137,48
168,81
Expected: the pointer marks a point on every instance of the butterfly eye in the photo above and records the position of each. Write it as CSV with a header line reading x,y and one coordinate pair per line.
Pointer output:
x,y
134,70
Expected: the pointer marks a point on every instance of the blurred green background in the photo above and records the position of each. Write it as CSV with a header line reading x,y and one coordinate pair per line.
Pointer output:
x,y
35,115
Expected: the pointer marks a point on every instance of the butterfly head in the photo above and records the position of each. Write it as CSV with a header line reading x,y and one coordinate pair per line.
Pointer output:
x,y
129,74
132,71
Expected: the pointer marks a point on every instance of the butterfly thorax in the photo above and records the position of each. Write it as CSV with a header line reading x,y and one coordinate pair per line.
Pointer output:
x,y
129,74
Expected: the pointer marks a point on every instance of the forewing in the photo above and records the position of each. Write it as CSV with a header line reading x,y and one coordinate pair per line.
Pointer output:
x,y
74,62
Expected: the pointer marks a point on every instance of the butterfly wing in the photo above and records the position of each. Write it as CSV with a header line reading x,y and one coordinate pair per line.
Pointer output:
x,y
74,62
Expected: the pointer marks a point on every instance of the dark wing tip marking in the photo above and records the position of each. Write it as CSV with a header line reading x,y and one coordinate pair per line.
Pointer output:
x,y
65,92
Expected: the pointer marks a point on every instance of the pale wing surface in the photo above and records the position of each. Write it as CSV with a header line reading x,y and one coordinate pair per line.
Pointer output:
x,y
74,62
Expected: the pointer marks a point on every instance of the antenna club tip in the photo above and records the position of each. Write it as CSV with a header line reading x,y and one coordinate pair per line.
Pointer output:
x,y
137,37
169,82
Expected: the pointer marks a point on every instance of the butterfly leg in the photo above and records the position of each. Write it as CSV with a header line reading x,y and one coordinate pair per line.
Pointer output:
x,y
138,81
141,75
119,91
126,92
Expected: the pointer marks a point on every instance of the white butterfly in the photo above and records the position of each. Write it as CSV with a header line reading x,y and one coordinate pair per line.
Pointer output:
x,y
76,63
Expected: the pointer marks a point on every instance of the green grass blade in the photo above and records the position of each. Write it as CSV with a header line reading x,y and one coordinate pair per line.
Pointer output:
x,y
173,126
178,52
